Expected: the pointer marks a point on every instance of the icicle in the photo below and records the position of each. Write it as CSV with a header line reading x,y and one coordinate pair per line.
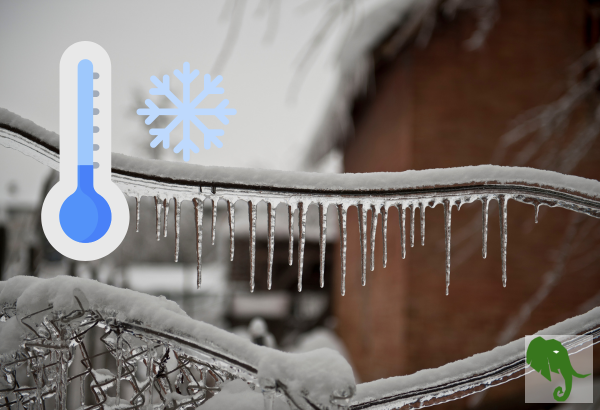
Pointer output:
x,y
301,241
342,213
40,384
213,231
81,394
231,212
537,211
119,365
362,228
269,400
137,213
291,232
322,242
402,222
374,214
412,225
177,204
150,372
252,220
502,202
158,206
199,208
485,204
447,225
271,243
384,218
422,215
165,216
61,385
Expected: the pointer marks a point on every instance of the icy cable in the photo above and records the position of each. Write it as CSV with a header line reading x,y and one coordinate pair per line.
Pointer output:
x,y
377,192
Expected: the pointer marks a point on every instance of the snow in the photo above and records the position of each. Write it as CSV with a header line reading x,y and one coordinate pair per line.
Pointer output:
x,y
237,395
322,373
10,335
298,190
354,64
194,175
318,373
476,364
322,364
186,111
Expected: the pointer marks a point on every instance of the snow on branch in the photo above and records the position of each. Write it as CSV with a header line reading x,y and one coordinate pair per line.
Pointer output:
x,y
43,321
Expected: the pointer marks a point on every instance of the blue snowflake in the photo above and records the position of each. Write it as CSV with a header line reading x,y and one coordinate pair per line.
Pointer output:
x,y
186,111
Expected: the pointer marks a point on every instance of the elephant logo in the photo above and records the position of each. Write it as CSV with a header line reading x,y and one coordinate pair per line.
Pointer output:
x,y
547,356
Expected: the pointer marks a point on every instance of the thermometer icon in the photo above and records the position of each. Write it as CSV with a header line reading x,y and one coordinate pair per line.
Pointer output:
x,y
85,216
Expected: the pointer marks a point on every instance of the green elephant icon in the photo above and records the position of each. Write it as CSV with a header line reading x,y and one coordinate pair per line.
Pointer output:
x,y
550,355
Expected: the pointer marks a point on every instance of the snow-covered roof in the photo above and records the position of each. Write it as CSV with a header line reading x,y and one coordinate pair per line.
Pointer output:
x,y
355,62
380,35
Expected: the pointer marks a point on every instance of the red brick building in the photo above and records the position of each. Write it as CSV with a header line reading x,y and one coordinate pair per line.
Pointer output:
x,y
441,105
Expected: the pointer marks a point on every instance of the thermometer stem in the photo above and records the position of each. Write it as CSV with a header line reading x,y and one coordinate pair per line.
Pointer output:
x,y
85,114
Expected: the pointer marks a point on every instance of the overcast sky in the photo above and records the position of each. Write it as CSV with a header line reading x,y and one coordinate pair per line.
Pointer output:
x,y
146,38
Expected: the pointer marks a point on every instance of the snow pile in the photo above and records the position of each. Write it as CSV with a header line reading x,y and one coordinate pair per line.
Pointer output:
x,y
322,364
322,373
237,395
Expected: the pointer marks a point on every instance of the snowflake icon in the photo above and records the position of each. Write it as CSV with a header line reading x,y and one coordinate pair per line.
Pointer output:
x,y
186,111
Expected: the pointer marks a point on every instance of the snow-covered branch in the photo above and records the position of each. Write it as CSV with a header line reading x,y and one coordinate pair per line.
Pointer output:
x,y
186,362
377,192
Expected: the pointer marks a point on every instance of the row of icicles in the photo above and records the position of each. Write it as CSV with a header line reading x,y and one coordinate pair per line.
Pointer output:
x,y
448,203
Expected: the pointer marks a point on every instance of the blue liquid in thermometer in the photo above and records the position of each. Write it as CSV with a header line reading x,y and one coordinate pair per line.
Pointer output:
x,y
85,216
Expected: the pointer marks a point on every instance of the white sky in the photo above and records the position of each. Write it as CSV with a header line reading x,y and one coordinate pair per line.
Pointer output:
x,y
145,38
